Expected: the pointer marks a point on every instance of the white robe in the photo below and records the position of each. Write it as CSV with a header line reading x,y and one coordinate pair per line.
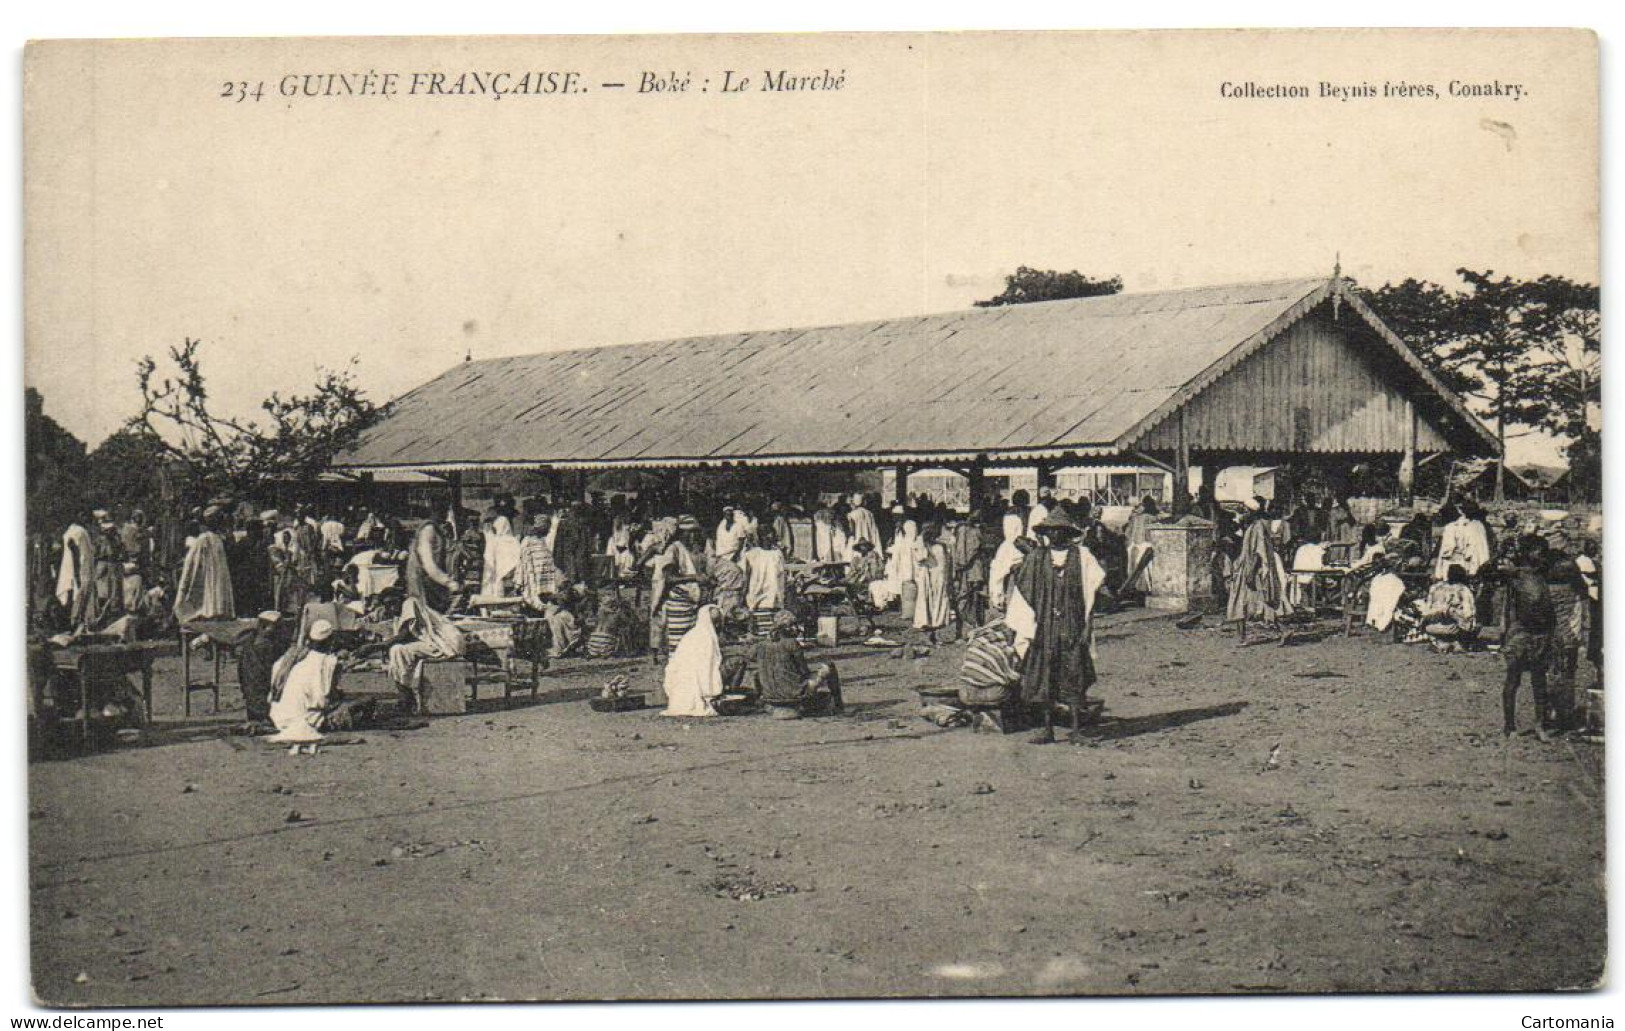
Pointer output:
x,y
840,544
501,560
1466,544
694,675
824,536
298,713
1005,560
932,611
1386,590
70,578
764,578
204,589
332,533
1306,561
730,535
864,528
900,567
1014,526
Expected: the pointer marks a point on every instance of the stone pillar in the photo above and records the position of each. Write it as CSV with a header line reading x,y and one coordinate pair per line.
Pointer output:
x,y
1180,577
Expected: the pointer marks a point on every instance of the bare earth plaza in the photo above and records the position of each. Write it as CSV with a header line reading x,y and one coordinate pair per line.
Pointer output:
x,y
412,623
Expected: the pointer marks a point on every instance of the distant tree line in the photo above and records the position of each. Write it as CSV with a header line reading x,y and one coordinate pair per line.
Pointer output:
x,y
1529,352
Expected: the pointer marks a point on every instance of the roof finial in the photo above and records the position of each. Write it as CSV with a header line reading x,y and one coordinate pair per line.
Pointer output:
x,y
468,355
1337,284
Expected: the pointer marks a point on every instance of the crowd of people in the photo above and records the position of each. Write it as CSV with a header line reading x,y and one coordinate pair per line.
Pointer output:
x,y
1440,580
721,591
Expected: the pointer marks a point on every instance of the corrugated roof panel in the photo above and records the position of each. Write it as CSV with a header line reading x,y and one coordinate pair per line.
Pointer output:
x,y
1057,374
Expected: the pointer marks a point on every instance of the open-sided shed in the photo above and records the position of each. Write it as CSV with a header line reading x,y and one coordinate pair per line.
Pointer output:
x,y
1253,373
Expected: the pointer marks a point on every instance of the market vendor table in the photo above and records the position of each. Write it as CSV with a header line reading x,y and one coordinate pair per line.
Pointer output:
x,y
86,661
502,643
223,635
818,582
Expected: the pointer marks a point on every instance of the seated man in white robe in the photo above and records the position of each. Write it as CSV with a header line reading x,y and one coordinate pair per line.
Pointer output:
x,y
303,685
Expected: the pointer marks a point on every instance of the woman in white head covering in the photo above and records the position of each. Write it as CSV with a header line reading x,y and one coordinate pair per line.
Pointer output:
x,y
1005,558
302,684
694,674
902,567
864,527
501,566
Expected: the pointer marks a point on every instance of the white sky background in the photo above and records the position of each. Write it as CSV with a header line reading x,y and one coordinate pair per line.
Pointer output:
x,y
407,232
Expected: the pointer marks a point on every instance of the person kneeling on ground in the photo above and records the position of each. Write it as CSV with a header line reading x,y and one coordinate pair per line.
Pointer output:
x,y
304,688
787,685
865,568
563,629
1448,616
611,629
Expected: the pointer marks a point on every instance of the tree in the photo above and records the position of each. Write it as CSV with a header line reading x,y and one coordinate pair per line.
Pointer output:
x,y
235,456
1564,321
1490,342
122,471
1026,285
54,468
1428,317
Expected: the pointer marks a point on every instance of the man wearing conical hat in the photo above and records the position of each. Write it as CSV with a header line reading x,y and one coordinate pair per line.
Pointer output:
x,y
1051,610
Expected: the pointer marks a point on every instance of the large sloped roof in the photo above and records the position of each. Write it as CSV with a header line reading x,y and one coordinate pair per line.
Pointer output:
x,y
1081,377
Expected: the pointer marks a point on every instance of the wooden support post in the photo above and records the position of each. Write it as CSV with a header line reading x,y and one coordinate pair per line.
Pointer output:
x,y
455,481
1046,477
1182,470
976,485
900,488
1407,464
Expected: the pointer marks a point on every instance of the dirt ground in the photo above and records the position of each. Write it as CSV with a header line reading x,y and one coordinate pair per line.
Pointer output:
x,y
1397,843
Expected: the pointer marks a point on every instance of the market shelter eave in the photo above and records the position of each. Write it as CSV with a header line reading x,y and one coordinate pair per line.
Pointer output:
x,y
917,459
1063,381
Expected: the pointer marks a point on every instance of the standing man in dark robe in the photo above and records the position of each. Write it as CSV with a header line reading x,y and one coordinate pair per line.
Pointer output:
x,y
431,575
249,556
970,562
464,541
256,658
304,562
1051,611
572,547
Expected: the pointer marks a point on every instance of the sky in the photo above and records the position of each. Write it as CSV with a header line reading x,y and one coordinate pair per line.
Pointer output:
x,y
407,231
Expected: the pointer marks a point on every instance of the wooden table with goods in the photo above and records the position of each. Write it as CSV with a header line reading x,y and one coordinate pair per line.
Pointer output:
x,y
222,636
88,661
495,648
